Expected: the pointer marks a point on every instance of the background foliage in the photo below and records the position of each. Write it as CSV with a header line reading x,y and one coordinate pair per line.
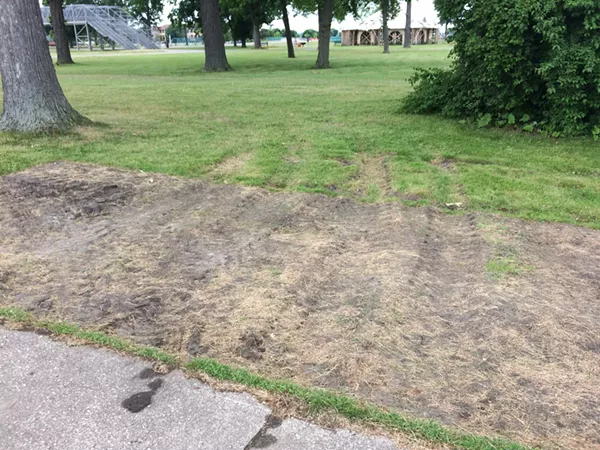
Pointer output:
x,y
528,63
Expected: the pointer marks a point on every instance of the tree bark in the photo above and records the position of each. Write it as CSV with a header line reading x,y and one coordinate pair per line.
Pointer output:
x,y
288,30
325,18
61,38
407,27
256,33
385,12
33,99
244,43
214,42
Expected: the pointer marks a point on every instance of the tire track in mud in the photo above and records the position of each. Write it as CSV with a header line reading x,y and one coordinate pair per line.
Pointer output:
x,y
446,244
390,303
95,247
465,318
373,170
449,264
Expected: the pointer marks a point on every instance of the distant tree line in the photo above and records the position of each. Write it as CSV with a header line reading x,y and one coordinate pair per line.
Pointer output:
x,y
243,20
235,20
178,31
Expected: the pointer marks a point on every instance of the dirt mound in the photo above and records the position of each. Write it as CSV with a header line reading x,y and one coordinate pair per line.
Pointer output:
x,y
482,322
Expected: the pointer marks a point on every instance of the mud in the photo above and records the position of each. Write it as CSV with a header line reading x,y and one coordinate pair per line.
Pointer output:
x,y
389,303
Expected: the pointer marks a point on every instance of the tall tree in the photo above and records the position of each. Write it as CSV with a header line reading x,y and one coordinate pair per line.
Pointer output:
x,y
214,42
256,32
260,12
207,16
325,12
61,37
33,99
389,10
146,11
239,25
288,30
186,14
407,27
385,13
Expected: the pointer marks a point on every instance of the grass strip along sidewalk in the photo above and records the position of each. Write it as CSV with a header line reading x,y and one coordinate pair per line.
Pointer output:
x,y
318,400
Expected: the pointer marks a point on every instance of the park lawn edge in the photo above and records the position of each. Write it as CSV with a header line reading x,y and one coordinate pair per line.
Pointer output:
x,y
317,399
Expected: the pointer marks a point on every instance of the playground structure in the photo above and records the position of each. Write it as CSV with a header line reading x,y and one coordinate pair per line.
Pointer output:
x,y
109,22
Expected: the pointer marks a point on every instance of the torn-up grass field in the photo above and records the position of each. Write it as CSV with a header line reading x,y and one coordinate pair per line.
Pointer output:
x,y
277,124
385,302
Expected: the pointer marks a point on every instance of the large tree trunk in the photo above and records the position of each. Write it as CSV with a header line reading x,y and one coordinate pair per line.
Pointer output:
x,y
288,30
212,32
407,27
33,100
61,38
385,12
256,33
244,43
325,18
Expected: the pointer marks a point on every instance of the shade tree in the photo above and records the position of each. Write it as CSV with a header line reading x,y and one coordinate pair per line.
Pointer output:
x,y
33,100
326,11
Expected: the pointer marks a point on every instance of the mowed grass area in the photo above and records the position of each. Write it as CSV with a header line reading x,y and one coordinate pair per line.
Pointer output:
x,y
276,123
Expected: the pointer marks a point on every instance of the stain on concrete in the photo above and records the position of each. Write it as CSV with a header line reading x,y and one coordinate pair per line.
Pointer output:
x,y
141,400
263,439
155,384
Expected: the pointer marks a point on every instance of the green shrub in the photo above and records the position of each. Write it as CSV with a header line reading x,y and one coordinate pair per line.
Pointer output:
x,y
532,64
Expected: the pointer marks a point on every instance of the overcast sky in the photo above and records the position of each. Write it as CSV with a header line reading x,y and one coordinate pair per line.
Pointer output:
x,y
420,9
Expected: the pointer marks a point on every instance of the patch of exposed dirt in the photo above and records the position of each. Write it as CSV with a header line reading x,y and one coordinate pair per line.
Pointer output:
x,y
389,303
231,166
373,174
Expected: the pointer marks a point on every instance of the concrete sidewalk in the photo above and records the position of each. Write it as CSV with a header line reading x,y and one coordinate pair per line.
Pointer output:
x,y
53,396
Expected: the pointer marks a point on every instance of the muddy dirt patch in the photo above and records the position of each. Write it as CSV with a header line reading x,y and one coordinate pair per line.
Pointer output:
x,y
393,304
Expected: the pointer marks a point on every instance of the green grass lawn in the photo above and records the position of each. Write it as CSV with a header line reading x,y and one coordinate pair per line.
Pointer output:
x,y
276,123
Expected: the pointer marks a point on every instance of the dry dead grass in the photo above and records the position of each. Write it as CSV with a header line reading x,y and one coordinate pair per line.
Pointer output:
x,y
373,180
231,166
384,302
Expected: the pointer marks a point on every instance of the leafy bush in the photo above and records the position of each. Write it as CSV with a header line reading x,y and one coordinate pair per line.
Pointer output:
x,y
535,63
